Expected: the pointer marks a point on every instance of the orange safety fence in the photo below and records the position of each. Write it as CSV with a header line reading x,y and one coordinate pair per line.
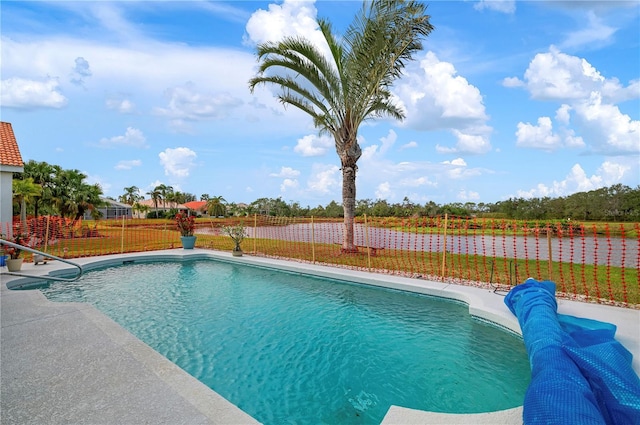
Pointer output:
x,y
597,262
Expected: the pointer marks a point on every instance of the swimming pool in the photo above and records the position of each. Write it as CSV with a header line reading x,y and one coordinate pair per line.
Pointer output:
x,y
288,348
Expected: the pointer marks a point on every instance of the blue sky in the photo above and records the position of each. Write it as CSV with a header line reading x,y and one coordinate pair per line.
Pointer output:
x,y
507,99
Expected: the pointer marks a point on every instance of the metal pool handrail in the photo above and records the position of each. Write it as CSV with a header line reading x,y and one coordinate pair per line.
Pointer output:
x,y
47,277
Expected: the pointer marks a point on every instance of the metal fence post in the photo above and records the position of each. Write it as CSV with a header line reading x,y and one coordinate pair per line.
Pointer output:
x,y
313,242
444,250
366,241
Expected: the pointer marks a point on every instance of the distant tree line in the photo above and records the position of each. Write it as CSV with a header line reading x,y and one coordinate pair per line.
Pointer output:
x,y
616,203
44,189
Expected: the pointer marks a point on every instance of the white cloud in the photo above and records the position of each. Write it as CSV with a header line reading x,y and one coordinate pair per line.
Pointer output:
x,y
368,153
571,140
409,145
288,184
459,170
470,195
177,162
421,181
145,65
154,184
543,137
289,19
128,164
434,97
324,179
562,114
132,137
124,106
540,136
595,34
577,180
286,172
187,104
614,172
312,145
610,131
561,77
589,96
468,143
386,142
512,82
458,161
504,6
30,94
383,191
110,17
141,67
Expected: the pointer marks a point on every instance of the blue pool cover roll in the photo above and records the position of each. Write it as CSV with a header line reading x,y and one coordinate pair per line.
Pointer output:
x,y
579,373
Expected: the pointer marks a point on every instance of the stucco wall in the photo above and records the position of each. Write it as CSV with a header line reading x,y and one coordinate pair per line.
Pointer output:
x,y
6,195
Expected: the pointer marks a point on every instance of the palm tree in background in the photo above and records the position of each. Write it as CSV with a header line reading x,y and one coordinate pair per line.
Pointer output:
x,y
139,209
164,190
25,191
42,174
72,196
155,196
131,195
215,206
88,199
350,86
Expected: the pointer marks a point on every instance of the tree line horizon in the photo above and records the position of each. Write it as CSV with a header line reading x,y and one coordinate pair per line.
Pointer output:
x,y
44,189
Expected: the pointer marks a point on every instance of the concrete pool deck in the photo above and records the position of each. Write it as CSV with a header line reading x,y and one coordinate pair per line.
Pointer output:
x,y
67,363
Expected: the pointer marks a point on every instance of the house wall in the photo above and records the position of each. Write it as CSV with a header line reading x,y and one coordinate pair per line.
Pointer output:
x,y
111,212
6,197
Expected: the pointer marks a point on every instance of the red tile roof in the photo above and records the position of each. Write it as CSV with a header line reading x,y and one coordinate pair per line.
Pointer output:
x,y
9,151
196,205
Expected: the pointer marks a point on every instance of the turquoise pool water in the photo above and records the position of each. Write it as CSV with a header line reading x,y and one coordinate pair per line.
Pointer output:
x,y
288,348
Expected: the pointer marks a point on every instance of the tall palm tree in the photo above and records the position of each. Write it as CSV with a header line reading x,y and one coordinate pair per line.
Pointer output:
x,y
155,195
139,209
131,195
25,191
215,206
70,194
88,199
164,190
42,174
350,86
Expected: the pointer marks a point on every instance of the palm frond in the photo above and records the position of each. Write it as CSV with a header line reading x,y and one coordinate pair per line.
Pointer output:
x,y
353,83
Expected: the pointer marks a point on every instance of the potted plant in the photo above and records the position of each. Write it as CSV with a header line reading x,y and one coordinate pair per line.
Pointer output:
x,y
186,224
3,253
237,234
14,262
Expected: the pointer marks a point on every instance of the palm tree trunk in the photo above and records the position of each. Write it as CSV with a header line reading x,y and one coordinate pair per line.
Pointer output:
x,y
349,206
23,215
